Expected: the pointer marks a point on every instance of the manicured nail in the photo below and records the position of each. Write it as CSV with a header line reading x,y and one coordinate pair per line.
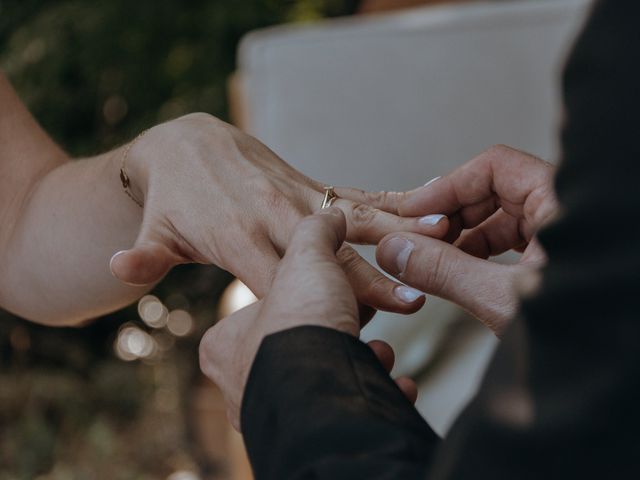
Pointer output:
x,y
407,294
431,219
112,259
400,250
431,181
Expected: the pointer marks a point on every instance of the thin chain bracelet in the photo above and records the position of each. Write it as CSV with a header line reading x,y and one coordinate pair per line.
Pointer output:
x,y
124,178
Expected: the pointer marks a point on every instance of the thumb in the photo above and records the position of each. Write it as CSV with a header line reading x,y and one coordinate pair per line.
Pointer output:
x,y
481,287
319,235
310,274
147,262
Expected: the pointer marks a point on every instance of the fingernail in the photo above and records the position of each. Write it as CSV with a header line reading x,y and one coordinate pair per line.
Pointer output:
x,y
407,294
431,219
431,181
112,259
400,250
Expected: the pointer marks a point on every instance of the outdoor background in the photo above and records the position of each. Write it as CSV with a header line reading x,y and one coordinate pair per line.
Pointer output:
x,y
95,74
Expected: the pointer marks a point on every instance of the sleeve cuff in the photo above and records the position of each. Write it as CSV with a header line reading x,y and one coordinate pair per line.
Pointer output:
x,y
314,391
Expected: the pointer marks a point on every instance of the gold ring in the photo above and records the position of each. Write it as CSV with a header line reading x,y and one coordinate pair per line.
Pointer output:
x,y
329,197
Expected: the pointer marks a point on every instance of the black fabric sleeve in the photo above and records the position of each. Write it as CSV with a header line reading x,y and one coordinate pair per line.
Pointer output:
x,y
561,398
319,405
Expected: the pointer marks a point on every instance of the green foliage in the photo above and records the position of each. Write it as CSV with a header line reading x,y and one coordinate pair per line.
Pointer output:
x,y
95,73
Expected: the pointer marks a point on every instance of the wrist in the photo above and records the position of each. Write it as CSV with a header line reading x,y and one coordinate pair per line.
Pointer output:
x,y
148,157
152,157
133,168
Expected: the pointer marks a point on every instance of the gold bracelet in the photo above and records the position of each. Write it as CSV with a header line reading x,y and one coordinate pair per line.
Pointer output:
x,y
124,178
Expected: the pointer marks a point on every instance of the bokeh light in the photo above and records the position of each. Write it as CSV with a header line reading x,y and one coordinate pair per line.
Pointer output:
x,y
183,475
133,343
152,311
236,296
180,323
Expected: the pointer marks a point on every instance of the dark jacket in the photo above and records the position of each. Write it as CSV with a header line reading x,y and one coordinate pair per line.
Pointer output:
x,y
561,398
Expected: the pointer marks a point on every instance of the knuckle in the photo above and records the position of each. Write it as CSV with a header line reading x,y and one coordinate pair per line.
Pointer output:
x,y
499,150
348,257
375,198
376,288
492,157
398,197
362,215
271,196
200,117
384,199
493,153
438,276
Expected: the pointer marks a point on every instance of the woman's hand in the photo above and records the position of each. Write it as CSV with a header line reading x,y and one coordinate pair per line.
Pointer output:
x,y
310,288
495,203
213,194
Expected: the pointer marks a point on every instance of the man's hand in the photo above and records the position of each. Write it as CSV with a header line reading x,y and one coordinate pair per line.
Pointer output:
x,y
310,288
495,203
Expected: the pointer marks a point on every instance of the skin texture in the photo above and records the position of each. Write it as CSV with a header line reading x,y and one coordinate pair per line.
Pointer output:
x,y
495,203
211,195
310,288
249,201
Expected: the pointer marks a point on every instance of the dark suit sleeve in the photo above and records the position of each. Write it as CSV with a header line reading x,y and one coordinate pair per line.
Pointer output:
x,y
562,398
318,405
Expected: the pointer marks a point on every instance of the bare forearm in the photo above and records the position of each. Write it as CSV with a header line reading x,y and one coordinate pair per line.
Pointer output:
x,y
26,154
56,267
61,221
211,195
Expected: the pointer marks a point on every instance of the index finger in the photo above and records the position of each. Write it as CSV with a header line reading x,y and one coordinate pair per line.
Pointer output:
x,y
500,177
367,224
382,200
